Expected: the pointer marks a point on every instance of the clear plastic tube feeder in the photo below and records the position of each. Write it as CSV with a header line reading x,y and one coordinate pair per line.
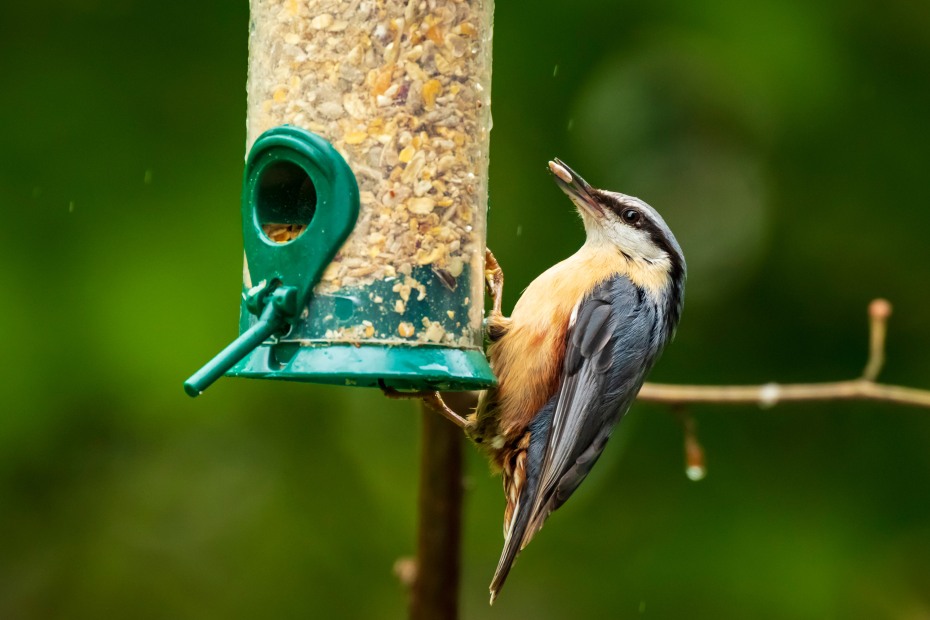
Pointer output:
x,y
365,195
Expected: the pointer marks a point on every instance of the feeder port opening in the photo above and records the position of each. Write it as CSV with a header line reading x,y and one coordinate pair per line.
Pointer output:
x,y
285,201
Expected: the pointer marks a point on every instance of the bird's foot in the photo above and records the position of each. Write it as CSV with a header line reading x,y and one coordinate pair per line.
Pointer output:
x,y
494,279
496,324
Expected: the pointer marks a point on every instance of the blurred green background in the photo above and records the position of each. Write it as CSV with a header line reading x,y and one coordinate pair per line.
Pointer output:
x,y
785,141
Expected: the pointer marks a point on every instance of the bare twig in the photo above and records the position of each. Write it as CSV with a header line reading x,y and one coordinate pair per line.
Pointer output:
x,y
770,394
879,312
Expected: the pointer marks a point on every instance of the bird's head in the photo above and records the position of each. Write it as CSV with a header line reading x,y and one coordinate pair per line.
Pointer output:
x,y
624,222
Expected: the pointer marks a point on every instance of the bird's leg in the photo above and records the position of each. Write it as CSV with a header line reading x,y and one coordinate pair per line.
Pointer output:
x,y
497,323
432,399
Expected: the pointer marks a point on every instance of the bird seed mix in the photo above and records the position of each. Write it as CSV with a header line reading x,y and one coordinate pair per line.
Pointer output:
x,y
401,88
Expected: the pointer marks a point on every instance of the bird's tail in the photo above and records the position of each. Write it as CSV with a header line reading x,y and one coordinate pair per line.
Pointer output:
x,y
528,511
518,535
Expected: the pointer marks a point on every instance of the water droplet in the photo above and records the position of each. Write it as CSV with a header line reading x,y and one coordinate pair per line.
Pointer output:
x,y
695,472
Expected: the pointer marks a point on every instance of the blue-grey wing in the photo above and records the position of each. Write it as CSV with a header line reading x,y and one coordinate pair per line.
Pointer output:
x,y
610,346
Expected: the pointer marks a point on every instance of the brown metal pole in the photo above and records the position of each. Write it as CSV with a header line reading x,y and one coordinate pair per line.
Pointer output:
x,y
435,593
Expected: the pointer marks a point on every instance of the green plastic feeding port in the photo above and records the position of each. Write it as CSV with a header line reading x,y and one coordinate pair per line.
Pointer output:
x,y
409,331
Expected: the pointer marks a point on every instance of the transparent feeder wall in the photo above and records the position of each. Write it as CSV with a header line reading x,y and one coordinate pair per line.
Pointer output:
x,y
402,91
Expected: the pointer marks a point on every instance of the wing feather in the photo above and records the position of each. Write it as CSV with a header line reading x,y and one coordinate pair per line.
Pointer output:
x,y
589,406
607,355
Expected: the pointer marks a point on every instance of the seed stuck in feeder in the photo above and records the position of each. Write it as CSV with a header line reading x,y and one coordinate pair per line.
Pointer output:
x,y
282,233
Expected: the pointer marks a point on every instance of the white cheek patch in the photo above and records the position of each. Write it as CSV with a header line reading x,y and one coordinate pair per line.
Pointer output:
x,y
634,242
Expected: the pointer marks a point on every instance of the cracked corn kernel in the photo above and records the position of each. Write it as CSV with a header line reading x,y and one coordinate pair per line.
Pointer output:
x,y
430,91
406,154
355,137
434,34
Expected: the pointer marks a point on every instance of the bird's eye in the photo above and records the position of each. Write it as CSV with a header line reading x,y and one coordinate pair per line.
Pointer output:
x,y
631,216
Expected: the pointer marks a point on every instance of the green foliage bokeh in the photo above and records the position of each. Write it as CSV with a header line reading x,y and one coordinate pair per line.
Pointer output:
x,y
786,143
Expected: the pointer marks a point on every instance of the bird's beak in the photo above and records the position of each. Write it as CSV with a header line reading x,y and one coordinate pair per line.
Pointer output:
x,y
582,194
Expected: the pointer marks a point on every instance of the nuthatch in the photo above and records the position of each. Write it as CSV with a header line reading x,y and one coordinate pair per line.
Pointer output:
x,y
574,353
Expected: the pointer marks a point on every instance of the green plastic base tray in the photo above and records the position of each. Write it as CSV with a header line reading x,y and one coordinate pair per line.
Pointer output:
x,y
425,367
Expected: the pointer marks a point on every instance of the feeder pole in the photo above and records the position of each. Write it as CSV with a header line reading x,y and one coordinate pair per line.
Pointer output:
x,y
435,592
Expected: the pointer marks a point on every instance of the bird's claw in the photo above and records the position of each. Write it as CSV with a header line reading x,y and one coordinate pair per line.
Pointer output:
x,y
494,280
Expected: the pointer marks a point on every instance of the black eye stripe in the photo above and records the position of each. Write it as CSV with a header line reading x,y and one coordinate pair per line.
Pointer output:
x,y
644,223
616,206
622,210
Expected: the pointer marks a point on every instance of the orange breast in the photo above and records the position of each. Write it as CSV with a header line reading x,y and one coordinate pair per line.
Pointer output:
x,y
528,359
